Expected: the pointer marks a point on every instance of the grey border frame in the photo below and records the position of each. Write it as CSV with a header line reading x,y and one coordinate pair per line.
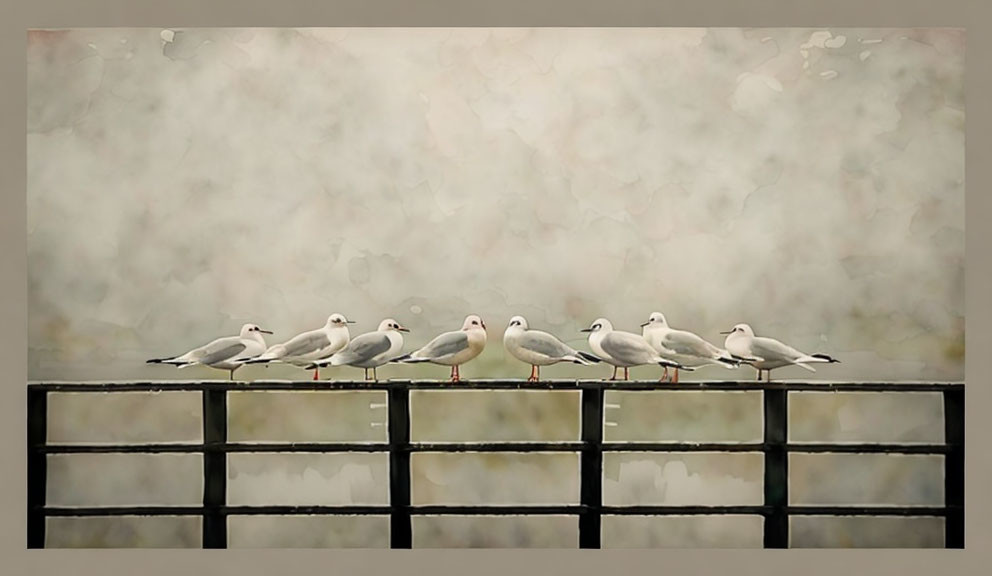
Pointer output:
x,y
973,15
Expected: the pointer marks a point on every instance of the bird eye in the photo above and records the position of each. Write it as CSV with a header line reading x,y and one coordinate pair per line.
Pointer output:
x,y
596,327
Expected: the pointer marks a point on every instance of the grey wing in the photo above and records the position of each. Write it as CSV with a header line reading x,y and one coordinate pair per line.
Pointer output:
x,y
306,344
365,348
689,344
544,343
626,348
220,350
446,344
769,349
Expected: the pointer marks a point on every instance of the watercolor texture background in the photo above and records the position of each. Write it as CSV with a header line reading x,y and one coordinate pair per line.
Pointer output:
x,y
182,182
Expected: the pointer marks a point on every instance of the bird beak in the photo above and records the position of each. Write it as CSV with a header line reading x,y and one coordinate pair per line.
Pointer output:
x,y
727,332
403,329
645,324
586,330
349,321
264,331
483,324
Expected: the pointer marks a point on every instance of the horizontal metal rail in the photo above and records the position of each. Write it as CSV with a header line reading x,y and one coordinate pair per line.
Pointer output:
x,y
494,385
512,447
498,510
590,447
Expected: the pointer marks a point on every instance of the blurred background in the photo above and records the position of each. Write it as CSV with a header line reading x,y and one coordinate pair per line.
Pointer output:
x,y
184,182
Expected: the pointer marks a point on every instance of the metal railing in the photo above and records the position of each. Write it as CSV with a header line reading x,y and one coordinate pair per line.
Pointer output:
x,y
775,447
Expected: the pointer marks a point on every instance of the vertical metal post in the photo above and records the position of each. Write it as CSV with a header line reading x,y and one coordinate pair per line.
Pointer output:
x,y
214,468
954,468
400,525
591,486
776,467
37,465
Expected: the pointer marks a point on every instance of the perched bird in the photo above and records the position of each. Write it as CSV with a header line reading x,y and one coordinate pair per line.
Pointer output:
x,y
369,350
683,346
539,348
452,348
229,353
306,348
767,353
623,349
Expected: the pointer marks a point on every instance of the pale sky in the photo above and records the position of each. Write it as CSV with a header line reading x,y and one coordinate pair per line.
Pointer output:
x,y
808,182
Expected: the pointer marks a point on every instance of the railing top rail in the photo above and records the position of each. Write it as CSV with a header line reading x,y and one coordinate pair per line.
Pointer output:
x,y
490,384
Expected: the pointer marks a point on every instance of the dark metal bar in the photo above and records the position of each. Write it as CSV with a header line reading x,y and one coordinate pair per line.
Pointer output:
x,y
400,524
633,385
954,468
505,510
591,459
776,483
372,447
214,469
37,466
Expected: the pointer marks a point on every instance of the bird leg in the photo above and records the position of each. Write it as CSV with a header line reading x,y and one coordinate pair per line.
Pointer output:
x,y
375,377
626,373
615,369
759,374
366,373
533,374
455,377
768,375
316,373
676,381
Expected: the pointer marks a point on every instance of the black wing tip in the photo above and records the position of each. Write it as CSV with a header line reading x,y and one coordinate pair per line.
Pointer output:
x,y
829,359
590,357
156,361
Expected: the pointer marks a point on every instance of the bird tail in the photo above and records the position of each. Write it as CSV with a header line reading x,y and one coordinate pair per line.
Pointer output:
x,y
671,364
589,358
173,361
409,359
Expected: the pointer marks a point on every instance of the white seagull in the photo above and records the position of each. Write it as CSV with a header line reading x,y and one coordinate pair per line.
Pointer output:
x,y
369,350
452,348
623,349
229,353
767,353
539,348
683,346
306,348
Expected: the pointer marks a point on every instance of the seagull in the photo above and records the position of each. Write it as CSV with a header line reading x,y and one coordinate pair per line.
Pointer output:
x,y
623,349
682,346
228,353
369,350
303,349
768,353
539,348
452,348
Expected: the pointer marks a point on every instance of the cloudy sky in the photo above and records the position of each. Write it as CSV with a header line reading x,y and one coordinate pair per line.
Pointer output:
x,y
809,182
180,183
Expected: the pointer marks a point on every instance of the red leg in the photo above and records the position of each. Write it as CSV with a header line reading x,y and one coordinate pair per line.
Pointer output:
x,y
676,376
533,374
664,375
316,374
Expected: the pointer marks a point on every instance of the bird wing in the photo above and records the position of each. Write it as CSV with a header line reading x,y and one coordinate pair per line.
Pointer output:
x,y
627,347
770,349
446,344
544,343
307,343
688,344
364,348
220,350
